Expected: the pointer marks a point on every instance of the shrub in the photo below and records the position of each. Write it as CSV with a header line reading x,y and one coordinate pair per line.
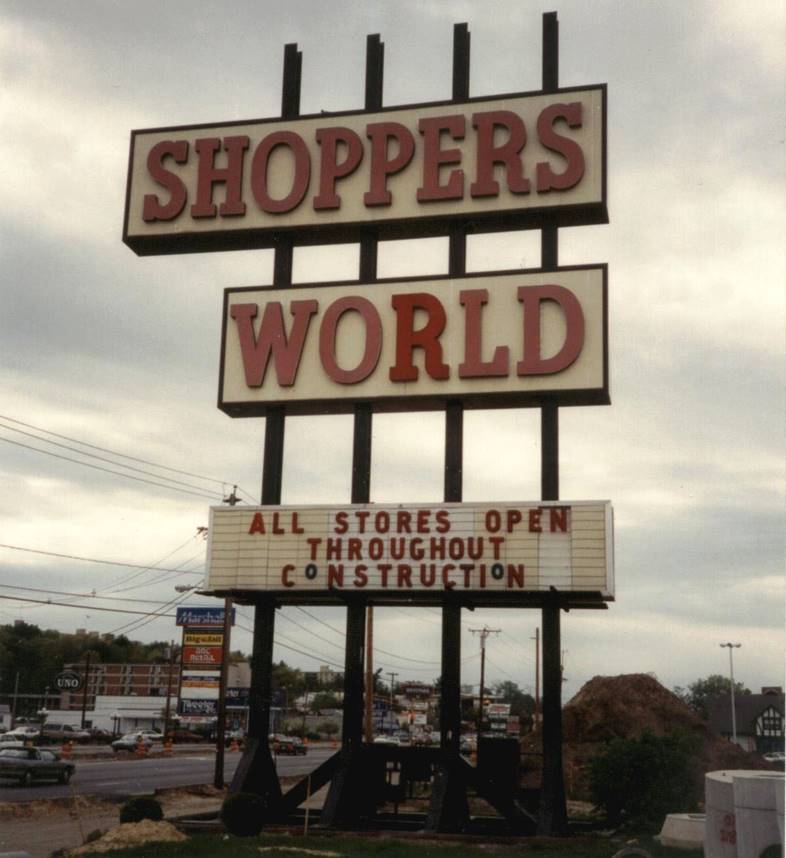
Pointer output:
x,y
243,814
143,807
637,782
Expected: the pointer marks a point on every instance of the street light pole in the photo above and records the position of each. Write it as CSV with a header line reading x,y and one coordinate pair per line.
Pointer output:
x,y
732,646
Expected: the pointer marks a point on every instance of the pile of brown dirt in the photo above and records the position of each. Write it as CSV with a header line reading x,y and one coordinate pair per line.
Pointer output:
x,y
625,707
132,834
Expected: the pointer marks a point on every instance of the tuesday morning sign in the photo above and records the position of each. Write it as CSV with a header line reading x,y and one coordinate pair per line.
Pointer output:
x,y
504,339
407,171
504,549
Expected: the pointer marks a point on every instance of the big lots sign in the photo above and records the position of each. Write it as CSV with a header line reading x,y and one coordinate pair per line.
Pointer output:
x,y
490,551
407,170
502,339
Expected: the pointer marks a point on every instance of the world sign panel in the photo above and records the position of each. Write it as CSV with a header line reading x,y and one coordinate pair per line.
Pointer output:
x,y
503,339
500,550
409,170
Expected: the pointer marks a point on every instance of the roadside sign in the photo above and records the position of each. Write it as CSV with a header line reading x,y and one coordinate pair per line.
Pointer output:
x,y
68,680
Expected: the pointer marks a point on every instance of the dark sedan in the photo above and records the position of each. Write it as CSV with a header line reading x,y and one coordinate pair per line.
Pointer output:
x,y
29,764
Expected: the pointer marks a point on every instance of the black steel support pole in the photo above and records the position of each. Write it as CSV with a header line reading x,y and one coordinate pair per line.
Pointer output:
x,y
256,771
449,810
552,818
349,799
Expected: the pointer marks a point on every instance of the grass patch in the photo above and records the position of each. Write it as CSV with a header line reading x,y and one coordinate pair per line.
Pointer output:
x,y
288,846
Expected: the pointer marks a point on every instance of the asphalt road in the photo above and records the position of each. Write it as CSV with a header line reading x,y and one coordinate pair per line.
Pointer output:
x,y
127,775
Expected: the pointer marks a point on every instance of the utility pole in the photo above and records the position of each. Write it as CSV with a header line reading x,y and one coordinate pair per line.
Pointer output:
x,y
369,733
84,690
732,647
484,633
392,676
536,718
13,703
169,688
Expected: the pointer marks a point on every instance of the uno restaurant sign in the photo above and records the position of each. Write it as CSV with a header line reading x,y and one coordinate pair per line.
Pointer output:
x,y
494,550
409,171
502,339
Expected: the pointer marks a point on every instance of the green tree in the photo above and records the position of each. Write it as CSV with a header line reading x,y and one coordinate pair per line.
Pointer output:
x,y
698,694
324,700
521,703
637,782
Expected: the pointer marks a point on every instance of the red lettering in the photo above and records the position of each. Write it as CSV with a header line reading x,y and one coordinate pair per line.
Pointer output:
x,y
558,519
384,568
532,297
513,517
373,339
446,582
362,515
416,549
546,179
300,178
443,521
426,338
382,166
272,339
361,579
534,521
496,543
295,527
335,575
434,158
152,208
473,367
330,141
515,576
342,524
313,543
404,575
333,549
382,521
423,521
208,175
354,548
257,524
493,521
403,521
285,576
277,529
506,153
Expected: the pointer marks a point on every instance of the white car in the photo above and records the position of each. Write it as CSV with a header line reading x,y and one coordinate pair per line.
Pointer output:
x,y
24,733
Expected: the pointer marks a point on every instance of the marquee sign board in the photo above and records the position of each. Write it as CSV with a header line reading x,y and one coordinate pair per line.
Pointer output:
x,y
503,339
495,553
503,161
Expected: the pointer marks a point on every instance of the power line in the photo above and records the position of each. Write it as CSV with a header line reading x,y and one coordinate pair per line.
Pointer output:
x,y
222,483
95,559
109,470
78,595
100,458
81,607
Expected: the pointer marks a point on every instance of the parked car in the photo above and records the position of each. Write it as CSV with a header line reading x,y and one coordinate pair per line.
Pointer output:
x,y
25,733
54,731
386,740
777,757
153,735
29,764
10,743
181,735
130,741
289,745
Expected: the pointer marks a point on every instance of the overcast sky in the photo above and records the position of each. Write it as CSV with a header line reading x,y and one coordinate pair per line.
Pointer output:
x,y
101,346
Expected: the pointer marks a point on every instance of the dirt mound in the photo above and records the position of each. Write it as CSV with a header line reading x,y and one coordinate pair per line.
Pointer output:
x,y
624,707
132,834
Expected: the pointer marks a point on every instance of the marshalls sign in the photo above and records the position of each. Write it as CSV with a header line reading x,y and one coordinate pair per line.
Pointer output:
x,y
493,552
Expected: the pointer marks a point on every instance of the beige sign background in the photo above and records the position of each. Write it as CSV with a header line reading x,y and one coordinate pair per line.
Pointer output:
x,y
504,548
246,218
500,322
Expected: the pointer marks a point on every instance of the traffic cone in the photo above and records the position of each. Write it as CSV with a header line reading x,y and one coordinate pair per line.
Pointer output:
x,y
141,749
167,747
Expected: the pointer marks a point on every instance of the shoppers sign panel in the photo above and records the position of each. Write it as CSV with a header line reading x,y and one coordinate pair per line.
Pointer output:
x,y
408,170
501,339
501,550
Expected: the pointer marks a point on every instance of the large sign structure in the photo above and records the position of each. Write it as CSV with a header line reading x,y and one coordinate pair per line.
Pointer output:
x,y
525,160
496,340
493,553
409,171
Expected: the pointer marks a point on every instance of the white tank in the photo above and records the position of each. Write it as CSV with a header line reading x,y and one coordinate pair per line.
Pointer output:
x,y
742,813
